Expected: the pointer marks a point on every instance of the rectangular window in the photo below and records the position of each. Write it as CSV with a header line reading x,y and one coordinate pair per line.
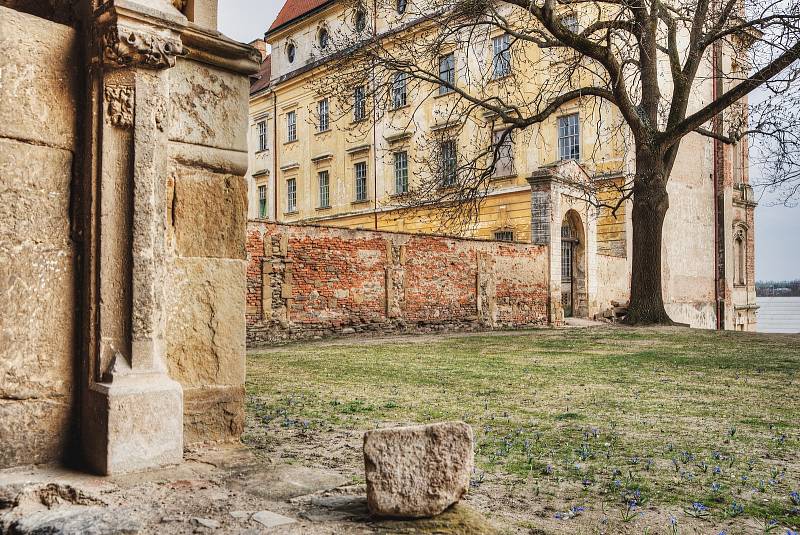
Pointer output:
x,y
503,154
569,138
566,260
504,235
571,23
322,111
262,202
401,172
262,136
501,62
359,104
291,126
399,90
448,162
324,189
291,195
447,73
360,171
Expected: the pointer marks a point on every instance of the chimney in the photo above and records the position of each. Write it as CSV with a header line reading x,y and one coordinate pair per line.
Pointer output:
x,y
261,46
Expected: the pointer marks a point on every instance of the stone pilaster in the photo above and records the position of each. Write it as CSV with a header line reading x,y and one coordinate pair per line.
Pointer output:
x,y
546,230
131,409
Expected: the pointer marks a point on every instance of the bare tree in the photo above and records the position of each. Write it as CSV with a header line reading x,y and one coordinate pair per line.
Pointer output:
x,y
630,65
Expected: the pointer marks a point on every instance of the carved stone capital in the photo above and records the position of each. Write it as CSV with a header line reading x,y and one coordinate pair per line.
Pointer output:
x,y
127,47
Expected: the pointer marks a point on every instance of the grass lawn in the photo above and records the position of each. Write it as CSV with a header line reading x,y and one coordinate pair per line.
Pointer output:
x,y
599,430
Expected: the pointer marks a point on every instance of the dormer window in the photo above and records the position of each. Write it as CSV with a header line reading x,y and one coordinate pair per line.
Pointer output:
x,y
361,21
323,38
290,52
401,6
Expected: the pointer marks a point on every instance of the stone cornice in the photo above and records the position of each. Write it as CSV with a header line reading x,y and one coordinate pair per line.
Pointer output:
x,y
213,48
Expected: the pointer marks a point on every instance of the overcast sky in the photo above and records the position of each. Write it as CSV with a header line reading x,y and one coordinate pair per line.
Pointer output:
x,y
777,228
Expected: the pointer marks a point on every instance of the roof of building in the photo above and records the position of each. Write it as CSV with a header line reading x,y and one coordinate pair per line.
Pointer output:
x,y
261,80
295,9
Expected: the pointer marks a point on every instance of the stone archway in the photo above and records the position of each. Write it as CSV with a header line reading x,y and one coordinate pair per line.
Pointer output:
x,y
574,297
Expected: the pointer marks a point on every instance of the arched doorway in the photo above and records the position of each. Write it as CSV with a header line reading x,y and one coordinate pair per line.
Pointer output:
x,y
573,271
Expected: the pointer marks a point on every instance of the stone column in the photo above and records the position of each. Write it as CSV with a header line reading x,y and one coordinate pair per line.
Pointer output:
x,y
546,230
131,409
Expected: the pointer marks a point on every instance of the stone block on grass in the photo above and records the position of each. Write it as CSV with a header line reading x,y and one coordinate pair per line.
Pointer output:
x,y
417,471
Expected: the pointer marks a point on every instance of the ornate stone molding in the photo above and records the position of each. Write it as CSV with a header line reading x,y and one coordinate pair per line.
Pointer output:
x,y
119,105
124,47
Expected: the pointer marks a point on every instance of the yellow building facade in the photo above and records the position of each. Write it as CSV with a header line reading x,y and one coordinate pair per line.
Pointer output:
x,y
339,164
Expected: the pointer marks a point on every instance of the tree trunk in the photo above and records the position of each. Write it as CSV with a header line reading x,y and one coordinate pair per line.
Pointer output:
x,y
650,204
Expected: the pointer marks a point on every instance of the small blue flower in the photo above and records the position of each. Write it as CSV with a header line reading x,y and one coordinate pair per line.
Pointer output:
x,y
715,487
717,470
794,496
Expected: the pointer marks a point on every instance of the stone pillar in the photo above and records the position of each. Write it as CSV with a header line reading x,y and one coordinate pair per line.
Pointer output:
x,y
131,409
163,227
546,230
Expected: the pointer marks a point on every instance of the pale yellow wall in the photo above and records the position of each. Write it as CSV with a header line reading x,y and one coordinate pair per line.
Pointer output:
x,y
260,163
302,160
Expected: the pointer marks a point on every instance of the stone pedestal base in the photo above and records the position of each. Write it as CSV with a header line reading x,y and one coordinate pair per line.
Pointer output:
x,y
133,423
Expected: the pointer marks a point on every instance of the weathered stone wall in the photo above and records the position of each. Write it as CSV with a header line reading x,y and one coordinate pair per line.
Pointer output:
x,y
306,281
38,77
207,208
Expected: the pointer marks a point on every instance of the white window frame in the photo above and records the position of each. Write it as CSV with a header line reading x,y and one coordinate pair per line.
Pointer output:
x,y
323,112
504,164
400,90
359,104
447,72
570,22
324,182
569,137
262,135
448,151
291,126
401,172
360,172
501,56
291,195
262,201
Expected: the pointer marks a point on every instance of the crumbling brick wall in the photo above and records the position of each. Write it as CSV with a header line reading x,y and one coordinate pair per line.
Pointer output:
x,y
307,282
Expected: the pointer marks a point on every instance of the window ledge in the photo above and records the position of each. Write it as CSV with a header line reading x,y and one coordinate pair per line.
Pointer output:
x,y
320,132
443,95
501,178
261,151
398,195
404,106
323,208
293,212
290,142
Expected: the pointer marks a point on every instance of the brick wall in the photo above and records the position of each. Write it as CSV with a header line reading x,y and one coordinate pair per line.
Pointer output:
x,y
308,281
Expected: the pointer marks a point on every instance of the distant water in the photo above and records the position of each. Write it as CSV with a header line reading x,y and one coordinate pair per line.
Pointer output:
x,y
778,314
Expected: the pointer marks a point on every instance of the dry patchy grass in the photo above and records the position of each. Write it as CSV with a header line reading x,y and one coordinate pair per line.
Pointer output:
x,y
601,430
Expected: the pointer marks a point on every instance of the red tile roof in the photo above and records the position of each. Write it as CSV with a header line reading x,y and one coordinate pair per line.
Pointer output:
x,y
261,80
294,9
